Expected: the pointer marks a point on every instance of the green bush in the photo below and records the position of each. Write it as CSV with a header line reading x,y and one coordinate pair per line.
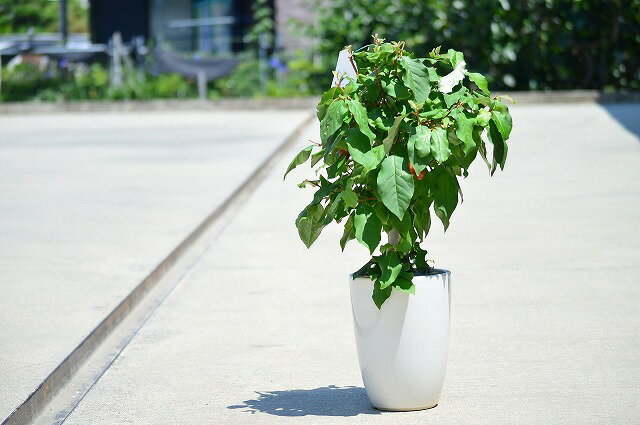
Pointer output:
x,y
396,139
25,81
81,82
521,45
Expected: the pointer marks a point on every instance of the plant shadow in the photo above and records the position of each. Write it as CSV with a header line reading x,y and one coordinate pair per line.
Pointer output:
x,y
323,401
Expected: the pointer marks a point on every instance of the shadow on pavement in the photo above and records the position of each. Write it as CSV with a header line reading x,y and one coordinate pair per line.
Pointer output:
x,y
323,401
627,114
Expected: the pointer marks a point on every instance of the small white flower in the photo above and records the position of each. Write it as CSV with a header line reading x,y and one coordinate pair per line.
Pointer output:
x,y
449,81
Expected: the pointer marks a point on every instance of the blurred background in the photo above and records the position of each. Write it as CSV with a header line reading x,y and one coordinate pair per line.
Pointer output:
x,y
56,50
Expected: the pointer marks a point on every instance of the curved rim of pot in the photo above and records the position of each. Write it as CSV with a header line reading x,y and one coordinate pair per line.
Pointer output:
x,y
433,272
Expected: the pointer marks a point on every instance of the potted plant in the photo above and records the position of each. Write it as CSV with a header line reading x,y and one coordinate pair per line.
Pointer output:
x,y
395,138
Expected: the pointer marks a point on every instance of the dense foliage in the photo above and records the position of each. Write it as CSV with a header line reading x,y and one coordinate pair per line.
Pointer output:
x,y
394,142
521,45
80,82
18,16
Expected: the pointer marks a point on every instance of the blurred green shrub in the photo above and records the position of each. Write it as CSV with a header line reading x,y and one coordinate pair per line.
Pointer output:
x,y
283,77
18,16
518,44
24,81
81,82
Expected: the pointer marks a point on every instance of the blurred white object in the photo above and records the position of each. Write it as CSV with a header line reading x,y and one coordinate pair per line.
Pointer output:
x,y
449,81
403,346
345,68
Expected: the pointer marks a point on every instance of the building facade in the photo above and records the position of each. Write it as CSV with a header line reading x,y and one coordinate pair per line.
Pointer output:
x,y
213,27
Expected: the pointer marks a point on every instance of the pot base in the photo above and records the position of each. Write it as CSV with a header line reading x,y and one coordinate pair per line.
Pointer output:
x,y
413,409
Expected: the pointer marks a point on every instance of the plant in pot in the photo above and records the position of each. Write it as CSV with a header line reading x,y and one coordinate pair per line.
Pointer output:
x,y
395,138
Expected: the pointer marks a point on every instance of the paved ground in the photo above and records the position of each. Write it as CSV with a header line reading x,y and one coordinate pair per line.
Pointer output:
x,y
545,324
91,203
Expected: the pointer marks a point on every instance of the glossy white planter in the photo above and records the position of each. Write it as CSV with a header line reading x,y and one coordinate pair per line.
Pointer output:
x,y
403,347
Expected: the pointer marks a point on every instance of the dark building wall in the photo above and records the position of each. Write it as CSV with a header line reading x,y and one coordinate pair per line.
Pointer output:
x,y
129,17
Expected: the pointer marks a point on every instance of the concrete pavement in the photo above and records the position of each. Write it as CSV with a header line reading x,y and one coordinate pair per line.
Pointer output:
x,y
545,298
91,203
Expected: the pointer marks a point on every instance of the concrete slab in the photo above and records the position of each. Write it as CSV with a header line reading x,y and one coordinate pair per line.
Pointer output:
x,y
544,306
91,203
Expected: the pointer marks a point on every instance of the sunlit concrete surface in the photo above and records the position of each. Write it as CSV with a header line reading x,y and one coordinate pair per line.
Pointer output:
x,y
545,319
90,203
545,268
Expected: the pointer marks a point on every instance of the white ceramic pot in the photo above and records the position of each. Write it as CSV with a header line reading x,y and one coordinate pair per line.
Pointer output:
x,y
403,347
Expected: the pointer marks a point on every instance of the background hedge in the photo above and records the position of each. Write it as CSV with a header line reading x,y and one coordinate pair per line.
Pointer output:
x,y
518,44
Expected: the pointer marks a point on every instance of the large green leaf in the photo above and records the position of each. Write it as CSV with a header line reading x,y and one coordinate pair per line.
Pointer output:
x,y
404,283
395,185
349,232
361,151
421,140
418,148
503,122
349,197
446,196
390,266
325,101
465,131
391,135
499,147
416,77
440,144
300,158
451,98
333,119
368,227
422,217
480,81
380,295
310,223
360,115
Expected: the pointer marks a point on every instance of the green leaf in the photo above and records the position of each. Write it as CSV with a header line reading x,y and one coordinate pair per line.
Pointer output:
x,y
404,283
416,78
446,196
483,118
331,210
367,227
300,158
455,57
422,217
465,131
452,98
348,233
325,101
395,185
419,162
380,295
421,140
393,131
499,147
421,260
390,266
395,88
360,115
309,223
503,122
479,81
333,119
440,145
349,197
317,157
361,151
